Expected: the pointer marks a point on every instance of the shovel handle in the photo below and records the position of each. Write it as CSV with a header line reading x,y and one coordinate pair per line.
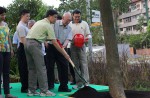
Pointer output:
x,y
69,59
71,63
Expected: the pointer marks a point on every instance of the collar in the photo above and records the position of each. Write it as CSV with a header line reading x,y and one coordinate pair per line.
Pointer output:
x,y
79,21
61,24
23,23
47,20
2,23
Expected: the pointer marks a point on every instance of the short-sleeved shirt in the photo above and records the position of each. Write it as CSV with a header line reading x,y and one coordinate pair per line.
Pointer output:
x,y
62,33
42,30
4,34
16,39
22,30
80,28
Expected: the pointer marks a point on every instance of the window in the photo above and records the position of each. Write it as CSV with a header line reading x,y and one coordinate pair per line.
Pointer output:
x,y
121,29
133,6
144,5
129,28
134,27
120,20
138,6
126,20
134,17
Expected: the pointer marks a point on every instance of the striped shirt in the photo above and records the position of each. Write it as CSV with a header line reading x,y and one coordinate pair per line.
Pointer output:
x,y
62,33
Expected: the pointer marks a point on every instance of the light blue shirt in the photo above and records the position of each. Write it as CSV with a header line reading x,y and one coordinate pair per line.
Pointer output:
x,y
62,33
16,39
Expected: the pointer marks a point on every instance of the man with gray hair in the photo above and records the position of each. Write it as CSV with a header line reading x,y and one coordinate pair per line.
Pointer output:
x,y
64,35
31,23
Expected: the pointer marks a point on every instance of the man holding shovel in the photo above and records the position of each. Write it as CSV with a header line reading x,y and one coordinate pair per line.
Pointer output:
x,y
64,35
39,33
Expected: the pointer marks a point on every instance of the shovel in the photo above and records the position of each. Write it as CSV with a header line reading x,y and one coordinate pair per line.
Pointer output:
x,y
75,69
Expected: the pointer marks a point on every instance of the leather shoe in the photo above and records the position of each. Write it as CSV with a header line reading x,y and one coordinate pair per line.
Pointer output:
x,y
64,90
73,83
10,96
24,91
50,87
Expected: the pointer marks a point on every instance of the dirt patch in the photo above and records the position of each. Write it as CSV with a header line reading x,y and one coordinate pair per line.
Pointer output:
x,y
88,92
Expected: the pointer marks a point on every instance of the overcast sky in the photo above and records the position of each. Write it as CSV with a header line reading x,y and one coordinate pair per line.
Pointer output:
x,y
54,3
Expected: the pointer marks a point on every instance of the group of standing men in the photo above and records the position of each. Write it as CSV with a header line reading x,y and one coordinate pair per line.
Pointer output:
x,y
55,35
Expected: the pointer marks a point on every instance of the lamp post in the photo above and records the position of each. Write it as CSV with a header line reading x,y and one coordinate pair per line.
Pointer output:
x,y
147,11
89,22
88,11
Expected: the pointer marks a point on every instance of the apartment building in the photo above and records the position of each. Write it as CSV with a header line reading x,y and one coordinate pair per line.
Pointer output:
x,y
128,21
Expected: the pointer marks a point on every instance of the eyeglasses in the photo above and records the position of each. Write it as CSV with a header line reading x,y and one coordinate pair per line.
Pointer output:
x,y
76,16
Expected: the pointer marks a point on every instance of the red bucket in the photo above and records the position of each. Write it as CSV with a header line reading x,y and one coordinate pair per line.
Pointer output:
x,y
78,40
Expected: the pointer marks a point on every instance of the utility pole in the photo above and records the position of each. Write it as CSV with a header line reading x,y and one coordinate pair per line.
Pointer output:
x,y
147,11
88,12
89,22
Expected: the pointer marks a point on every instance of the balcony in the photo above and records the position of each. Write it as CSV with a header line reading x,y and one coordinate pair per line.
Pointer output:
x,y
140,11
122,25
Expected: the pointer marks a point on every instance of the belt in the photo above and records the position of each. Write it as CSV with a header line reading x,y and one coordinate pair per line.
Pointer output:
x,y
34,40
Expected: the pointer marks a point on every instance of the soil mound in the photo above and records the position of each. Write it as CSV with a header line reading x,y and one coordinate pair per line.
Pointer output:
x,y
88,92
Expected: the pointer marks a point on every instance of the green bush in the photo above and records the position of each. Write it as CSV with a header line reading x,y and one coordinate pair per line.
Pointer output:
x,y
137,41
136,76
14,73
97,35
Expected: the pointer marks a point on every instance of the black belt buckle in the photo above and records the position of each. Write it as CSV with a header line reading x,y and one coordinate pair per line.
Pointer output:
x,y
37,41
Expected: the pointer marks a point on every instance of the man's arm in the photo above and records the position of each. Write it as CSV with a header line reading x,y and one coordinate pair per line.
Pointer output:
x,y
87,29
69,38
23,40
15,42
66,43
22,34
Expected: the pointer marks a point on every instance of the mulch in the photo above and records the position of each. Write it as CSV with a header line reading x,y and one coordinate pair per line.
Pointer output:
x,y
88,92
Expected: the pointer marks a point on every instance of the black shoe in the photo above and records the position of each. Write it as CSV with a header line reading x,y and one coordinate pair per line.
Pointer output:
x,y
56,81
73,83
10,96
51,87
37,87
64,90
24,91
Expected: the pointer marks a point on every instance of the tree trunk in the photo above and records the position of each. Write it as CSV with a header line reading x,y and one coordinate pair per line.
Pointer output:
x,y
115,18
112,56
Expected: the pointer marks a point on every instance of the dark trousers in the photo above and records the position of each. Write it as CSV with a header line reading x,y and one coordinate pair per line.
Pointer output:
x,y
5,70
53,55
70,67
22,66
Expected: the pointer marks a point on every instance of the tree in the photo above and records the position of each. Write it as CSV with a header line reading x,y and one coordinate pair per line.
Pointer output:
x,y
112,57
119,6
70,5
141,21
97,35
36,7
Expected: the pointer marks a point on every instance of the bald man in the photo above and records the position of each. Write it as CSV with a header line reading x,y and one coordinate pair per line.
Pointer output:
x,y
64,35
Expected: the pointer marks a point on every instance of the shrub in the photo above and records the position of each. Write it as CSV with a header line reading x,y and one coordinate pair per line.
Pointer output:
x,y
136,72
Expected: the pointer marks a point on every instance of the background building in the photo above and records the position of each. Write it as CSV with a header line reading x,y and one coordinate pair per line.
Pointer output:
x,y
128,21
